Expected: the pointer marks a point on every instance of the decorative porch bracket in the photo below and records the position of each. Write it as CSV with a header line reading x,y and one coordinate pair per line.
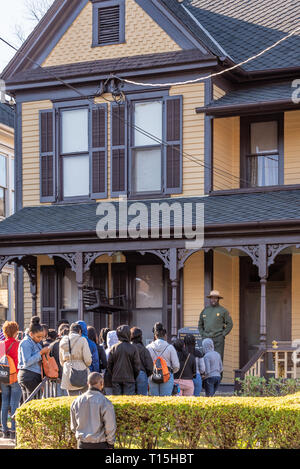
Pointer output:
x,y
30,265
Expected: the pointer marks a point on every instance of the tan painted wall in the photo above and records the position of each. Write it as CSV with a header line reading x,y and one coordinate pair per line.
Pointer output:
x,y
31,151
226,280
218,92
193,295
226,153
143,36
292,147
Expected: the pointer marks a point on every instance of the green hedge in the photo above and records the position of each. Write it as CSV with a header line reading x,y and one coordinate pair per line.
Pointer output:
x,y
175,422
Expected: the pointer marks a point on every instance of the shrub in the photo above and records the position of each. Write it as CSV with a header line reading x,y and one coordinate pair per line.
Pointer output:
x,y
172,422
258,386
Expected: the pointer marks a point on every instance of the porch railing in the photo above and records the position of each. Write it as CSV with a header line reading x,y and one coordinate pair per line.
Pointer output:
x,y
45,390
278,362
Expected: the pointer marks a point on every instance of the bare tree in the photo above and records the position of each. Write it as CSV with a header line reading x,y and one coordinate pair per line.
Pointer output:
x,y
35,9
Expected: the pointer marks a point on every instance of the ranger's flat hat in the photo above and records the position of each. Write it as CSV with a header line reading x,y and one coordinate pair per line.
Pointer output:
x,y
215,293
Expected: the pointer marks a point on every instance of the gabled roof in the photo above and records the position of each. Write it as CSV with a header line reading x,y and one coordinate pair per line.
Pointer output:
x,y
245,27
7,115
219,210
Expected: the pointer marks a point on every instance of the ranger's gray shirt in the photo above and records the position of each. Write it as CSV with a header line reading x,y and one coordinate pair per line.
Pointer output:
x,y
93,418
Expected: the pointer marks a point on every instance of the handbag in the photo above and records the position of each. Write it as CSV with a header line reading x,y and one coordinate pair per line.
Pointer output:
x,y
176,388
78,378
49,366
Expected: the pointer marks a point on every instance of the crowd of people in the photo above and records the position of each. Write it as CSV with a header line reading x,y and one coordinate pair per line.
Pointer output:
x,y
126,366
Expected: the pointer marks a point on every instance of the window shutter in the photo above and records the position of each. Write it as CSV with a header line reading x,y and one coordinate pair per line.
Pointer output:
x,y
47,157
173,149
49,296
99,151
109,25
118,149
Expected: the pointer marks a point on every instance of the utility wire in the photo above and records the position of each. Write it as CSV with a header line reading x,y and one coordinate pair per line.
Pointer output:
x,y
217,171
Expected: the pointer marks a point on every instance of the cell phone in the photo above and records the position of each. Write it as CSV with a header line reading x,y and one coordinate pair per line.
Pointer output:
x,y
20,335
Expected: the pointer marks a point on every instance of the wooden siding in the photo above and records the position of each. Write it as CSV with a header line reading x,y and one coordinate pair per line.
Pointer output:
x,y
292,147
31,151
193,285
226,153
193,138
226,280
142,36
218,92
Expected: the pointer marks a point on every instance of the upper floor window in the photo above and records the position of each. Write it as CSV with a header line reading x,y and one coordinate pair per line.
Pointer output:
x,y
108,22
7,186
262,159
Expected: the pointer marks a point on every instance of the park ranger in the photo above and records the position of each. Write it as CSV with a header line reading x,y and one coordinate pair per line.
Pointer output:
x,y
215,322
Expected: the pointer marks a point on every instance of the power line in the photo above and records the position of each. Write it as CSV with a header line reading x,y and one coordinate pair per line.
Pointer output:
x,y
196,80
217,171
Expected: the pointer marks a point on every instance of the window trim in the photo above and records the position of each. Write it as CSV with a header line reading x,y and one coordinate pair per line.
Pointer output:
x,y
97,4
245,142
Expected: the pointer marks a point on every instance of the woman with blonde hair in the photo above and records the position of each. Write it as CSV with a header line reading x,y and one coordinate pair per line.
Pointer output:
x,y
11,393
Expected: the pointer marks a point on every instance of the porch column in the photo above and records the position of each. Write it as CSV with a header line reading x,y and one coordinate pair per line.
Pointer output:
x,y
30,265
174,278
263,274
79,280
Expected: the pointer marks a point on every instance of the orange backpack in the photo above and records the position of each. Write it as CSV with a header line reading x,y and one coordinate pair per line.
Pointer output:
x,y
49,366
161,372
8,371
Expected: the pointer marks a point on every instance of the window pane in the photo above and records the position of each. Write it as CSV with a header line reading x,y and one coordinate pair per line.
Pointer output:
x,y
263,170
2,202
75,131
12,210
3,172
4,301
70,290
12,174
149,286
76,176
264,137
148,116
147,170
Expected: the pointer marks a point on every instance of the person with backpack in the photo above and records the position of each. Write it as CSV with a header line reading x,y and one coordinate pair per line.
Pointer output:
x,y
124,364
11,391
92,335
75,357
165,363
190,345
30,358
187,371
213,368
146,362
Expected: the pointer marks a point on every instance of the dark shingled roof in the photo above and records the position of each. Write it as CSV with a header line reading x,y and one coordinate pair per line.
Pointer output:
x,y
221,209
245,27
7,115
97,67
247,95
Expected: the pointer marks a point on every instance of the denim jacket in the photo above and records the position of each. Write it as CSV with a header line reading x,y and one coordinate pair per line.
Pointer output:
x,y
29,355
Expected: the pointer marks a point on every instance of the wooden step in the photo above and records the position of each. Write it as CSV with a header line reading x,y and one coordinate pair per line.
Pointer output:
x,y
7,444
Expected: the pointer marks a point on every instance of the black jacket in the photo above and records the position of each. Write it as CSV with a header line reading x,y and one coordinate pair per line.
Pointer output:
x,y
124,361
190,368
102,358
54,352
146,360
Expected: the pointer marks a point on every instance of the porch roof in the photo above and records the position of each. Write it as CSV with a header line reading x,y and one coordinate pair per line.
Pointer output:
x,y
229,209
236,101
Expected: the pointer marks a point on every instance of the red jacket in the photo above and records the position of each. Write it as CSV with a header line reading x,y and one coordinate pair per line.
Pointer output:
x,y
13,353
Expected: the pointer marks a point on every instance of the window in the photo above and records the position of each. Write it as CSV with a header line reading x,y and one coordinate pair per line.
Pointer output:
x,y
263,155
149,286
3,185
4,297
147,152
108,22
75,152
70,290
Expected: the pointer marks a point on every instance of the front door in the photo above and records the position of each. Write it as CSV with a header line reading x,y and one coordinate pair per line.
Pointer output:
x,y
278,305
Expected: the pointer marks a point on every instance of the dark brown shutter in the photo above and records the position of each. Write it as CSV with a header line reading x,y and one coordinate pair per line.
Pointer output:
x,y
47,157
173,149
99,151
109,25
49,296
118,149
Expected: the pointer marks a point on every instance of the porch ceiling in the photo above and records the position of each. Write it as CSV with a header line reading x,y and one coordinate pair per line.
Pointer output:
x,y
227,210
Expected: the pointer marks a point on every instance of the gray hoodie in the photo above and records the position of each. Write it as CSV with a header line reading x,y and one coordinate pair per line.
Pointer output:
x,y
161,348
111,339
212,359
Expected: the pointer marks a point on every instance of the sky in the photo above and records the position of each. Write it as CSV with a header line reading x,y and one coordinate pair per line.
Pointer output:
x,y
12,13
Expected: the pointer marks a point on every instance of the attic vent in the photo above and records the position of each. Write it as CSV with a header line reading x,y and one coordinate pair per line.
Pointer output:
x,y
109,25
